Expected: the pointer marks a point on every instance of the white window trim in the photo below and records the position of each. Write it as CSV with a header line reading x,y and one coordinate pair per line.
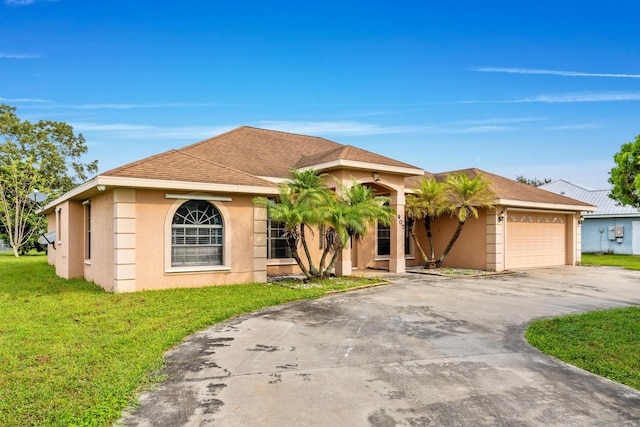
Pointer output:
x,y
197,197
379,257
281,261
227,232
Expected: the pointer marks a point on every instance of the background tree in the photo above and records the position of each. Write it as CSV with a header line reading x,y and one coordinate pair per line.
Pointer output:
x,y
535,182
625,176
45,156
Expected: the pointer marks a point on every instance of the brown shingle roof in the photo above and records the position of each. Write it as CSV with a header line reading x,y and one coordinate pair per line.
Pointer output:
x,y
241,156
259,152
505,188
175,165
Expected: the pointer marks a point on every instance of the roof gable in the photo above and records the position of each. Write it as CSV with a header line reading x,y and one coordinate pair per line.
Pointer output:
x,y
351,153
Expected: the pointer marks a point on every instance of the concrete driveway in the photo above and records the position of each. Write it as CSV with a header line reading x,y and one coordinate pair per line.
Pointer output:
x,y
424,351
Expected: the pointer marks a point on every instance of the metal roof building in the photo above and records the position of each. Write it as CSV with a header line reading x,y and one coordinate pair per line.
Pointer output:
x,y
612,228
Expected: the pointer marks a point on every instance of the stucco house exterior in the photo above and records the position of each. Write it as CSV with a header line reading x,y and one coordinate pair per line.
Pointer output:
x,y
612,228
186,217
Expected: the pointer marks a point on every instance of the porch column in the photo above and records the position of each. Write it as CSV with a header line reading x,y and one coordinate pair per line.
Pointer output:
x,y
396,257
259,244
124,245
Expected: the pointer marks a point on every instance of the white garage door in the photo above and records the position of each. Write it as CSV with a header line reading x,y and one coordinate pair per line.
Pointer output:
x,y
535,240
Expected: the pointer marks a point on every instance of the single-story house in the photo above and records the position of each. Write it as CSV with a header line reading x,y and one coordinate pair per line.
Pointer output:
x,y
612,228
186,217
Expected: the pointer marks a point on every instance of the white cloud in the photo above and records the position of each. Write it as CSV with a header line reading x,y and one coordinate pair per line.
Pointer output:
x,y
574,127
5,55
584,97
568,98
498,120
25,100
125,131
26,2
553,72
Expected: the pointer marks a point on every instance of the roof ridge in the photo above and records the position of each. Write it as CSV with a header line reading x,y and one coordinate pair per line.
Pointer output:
x,y
195,144
346,150
575,184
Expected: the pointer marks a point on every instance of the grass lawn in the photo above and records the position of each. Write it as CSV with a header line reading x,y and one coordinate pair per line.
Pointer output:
x,y
604,342
630,262
72,354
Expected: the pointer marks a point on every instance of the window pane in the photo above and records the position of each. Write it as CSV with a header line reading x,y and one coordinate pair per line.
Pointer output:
x,y
277,246
384,240
196,235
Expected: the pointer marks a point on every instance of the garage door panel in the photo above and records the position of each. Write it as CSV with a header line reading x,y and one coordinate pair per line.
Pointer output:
x,y
536,240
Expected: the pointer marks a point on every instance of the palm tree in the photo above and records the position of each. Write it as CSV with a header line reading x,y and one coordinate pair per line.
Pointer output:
x,y
350,216
465,196
427,202
305,201
309,191
286,211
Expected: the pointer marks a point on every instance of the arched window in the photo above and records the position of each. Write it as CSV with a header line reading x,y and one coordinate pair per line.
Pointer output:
x,y
197,235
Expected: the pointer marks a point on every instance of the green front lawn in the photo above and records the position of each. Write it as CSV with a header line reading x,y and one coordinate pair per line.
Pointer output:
x,y
630,262
72,354
603,342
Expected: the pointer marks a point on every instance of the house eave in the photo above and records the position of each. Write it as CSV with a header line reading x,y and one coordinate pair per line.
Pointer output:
x,y
544,205
353,164
612,215
91,188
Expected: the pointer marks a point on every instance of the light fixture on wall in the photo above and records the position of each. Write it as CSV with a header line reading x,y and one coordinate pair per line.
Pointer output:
x,y
101,187
376,177
580,220
501,216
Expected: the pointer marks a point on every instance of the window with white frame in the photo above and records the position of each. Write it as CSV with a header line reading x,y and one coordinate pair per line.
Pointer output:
x,y
277,245
197,235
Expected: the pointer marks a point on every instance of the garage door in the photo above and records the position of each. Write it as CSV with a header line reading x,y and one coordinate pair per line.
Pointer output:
x,y
535,240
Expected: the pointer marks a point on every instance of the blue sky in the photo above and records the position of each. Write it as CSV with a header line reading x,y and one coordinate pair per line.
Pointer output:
x,y
541,89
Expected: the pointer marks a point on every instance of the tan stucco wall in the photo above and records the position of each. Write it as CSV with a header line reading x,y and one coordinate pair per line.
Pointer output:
x,y
153,210
469,251
99,268
68,256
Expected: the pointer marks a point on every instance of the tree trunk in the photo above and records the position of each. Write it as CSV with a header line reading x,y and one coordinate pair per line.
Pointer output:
x,y
15,251
312,268
427,226
450,245
334,259
412,230
323,259
293,245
